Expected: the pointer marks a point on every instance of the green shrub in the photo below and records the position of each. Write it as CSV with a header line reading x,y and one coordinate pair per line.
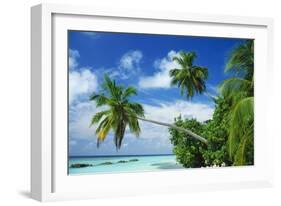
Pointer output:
x,y
193,154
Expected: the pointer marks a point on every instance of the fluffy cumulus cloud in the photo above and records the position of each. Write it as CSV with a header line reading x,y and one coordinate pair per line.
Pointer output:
x,y
161,78
130,60
129,64
82,81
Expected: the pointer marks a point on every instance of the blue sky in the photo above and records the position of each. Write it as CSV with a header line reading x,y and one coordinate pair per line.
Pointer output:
x,y
143,61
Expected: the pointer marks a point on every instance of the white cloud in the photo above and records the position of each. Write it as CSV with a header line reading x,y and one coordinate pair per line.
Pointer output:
x,y
72,59
127,67
129,64
80,119
82,82
161,78
167,111
130,60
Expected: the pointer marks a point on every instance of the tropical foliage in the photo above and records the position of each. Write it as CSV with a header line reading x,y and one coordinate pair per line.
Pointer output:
x,y
119,114
189,78
188,153
240,91
195,154
230,132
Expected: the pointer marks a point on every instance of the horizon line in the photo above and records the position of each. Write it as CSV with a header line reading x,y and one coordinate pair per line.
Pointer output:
x,y
75,156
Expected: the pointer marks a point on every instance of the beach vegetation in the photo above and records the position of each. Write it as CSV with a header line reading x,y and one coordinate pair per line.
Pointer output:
x,y
230,131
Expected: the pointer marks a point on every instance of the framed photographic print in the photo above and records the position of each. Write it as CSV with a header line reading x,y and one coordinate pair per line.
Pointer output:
x,y
135,102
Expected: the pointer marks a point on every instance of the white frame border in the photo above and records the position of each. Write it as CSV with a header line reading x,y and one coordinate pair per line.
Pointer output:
x,y
42,86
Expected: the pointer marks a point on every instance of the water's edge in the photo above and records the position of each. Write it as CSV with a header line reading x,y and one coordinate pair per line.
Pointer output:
x,y
117,164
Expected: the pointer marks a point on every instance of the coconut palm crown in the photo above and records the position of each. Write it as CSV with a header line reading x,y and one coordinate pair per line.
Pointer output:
x,y
188,77
120,113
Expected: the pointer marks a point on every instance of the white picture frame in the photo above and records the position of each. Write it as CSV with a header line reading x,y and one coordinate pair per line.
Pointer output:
x,y
49,179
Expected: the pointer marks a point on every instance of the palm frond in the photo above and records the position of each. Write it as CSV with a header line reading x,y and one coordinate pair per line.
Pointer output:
x,y
234,86
240,155
174,72
200,72
135,108
179,60
134,125
130,91
98,116
241,60
103,129
188,58
241,121
111,87
100,99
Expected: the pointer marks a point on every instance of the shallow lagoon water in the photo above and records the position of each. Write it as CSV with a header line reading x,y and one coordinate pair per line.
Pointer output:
x,y
144,163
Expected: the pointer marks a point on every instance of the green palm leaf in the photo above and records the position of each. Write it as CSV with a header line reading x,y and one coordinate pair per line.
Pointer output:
x,y
98,116
188,77
120,113
236,89
130,91
241,60
241,129
240,90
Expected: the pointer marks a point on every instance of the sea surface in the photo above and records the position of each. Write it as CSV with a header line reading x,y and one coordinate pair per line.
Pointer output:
x,y
117,164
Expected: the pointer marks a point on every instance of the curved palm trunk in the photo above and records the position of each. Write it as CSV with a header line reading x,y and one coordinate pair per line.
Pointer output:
x,y
195,136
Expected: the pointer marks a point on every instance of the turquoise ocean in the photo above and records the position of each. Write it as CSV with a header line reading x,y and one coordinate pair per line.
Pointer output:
x,y
117,164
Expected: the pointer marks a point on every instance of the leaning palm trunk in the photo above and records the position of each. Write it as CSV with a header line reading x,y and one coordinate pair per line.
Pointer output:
x,y
193,135
210,95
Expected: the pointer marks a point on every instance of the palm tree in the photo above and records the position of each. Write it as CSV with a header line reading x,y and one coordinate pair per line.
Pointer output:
x,y
189,78
241,60
121,113
240,90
